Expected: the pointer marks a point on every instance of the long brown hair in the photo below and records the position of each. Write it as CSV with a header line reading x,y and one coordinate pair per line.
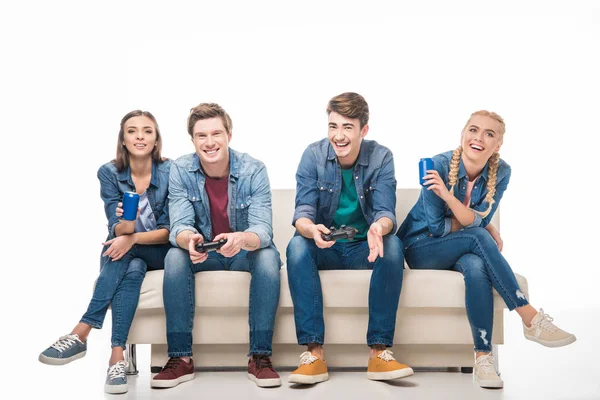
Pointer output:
x,y
122,158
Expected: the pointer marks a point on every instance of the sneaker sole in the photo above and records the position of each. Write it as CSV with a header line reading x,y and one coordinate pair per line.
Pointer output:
x,y
308,379
59,361
552,343
115,389
488,384
265,382
386,376
169,383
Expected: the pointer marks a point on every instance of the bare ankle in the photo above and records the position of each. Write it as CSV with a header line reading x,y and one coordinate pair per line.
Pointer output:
x,y
376,349
316,350
82,330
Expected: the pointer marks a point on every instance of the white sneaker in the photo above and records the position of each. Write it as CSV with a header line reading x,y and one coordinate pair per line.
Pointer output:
x,y
484,373
543,331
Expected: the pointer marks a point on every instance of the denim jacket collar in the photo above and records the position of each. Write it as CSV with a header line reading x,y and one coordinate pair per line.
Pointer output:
x,y
363,156
233,164
125,176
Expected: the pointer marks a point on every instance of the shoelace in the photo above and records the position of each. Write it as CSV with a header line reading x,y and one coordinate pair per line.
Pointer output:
x,y
117,370
545,322
386,355
263,362
486,363
173,363
65,342
307,358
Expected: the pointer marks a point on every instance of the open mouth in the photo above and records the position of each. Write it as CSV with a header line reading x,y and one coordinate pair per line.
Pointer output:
x,y
211,152
476,147
341,145
139,145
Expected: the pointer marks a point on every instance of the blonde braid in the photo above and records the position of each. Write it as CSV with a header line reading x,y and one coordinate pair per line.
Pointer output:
x,y
454,165
491,184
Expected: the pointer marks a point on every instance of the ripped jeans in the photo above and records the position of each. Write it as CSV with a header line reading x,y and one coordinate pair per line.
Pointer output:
x,y
474,253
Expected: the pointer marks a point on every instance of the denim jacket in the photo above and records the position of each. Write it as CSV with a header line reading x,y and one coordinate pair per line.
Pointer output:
x,y
113,184
249,198
319,183
431,216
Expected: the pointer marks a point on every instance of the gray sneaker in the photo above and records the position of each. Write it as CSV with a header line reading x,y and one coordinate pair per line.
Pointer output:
x,y
116,379
66,349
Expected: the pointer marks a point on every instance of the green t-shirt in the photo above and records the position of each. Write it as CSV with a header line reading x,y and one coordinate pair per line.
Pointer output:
x,y
348,212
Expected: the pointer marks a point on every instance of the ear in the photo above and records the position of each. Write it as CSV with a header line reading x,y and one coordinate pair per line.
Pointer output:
x,y
229,135
364,131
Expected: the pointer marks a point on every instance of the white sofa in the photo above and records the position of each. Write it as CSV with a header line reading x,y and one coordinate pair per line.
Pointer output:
x,y
432,329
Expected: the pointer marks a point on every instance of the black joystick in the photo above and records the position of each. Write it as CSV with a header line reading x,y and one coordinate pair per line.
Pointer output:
x,y
345,232
210,246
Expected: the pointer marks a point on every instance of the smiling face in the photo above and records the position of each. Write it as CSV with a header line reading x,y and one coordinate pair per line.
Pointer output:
x,y
139,136
211,141
481,137
346,135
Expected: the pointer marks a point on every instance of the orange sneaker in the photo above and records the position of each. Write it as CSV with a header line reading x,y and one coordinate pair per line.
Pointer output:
x,y
385,367
310,371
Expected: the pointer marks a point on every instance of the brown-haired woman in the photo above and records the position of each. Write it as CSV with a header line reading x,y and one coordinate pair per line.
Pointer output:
x,y
132,247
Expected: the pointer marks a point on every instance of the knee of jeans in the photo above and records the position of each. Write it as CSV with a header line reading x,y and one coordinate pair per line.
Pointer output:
x,y
482,236
177,261
137,266
298,246
393,249
472,266
267,260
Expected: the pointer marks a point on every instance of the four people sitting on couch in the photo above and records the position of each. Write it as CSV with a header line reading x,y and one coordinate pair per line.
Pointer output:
x,y
222,198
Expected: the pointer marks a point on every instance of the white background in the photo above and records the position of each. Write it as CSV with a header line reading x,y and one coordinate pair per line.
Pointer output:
x,y
70,71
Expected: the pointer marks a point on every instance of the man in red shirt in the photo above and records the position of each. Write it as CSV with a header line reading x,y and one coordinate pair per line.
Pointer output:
x,y
218,193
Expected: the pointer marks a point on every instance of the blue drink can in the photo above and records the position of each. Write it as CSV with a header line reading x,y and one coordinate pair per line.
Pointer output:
x,y
424,165
131,200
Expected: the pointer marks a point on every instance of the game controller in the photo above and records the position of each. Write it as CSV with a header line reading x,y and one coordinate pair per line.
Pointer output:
x,y
210,246
345,232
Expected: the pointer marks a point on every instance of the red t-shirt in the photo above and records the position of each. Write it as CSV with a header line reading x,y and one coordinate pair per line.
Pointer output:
x,y
216,189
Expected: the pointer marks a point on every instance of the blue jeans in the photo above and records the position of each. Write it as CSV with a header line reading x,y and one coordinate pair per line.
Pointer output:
x,y
180,300
474,253
305,259
119,283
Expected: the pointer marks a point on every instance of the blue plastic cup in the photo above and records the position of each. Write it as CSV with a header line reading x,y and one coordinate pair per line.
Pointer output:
x,y
131,200
425,164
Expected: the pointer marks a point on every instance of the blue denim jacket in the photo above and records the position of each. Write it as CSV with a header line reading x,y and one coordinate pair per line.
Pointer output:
x,y
319,183
113,184
249,195
431,216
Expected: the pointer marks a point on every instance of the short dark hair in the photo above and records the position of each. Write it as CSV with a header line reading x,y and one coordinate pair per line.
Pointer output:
x,y
350,105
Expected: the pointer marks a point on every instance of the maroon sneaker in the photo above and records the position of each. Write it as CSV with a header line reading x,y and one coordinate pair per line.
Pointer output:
x,y
172,374
260,370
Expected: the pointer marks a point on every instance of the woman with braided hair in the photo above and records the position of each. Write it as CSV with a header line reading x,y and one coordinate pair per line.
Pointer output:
x,y
449,229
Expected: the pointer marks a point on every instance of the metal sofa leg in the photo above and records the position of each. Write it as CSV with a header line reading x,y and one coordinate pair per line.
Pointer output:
x,y
130,357
496,356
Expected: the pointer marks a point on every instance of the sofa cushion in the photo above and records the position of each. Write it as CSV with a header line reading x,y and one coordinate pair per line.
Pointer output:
x,y
341,288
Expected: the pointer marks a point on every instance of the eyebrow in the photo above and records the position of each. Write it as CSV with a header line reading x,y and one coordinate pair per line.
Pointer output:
x,y
487,130
213,132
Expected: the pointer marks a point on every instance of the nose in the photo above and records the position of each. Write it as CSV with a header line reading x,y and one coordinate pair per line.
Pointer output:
x,y
339,134
209,140
139,135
